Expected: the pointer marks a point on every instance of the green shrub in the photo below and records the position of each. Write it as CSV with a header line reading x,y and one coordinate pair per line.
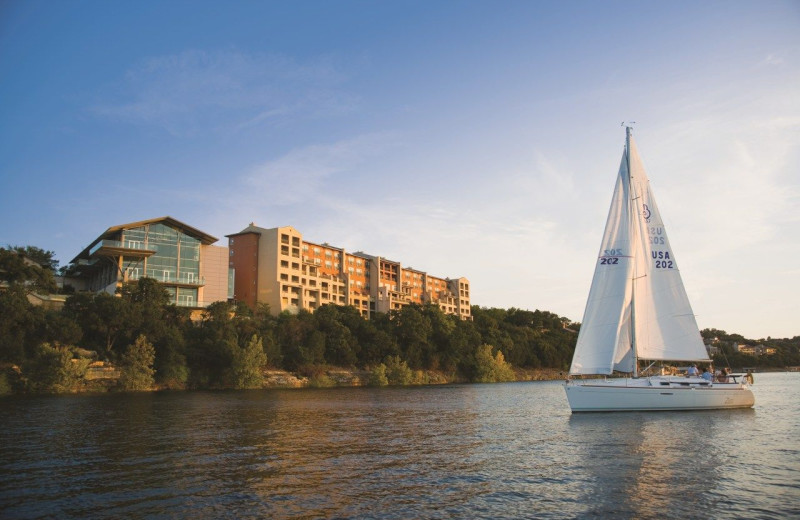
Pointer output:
x,y
137,366
247,365
397,371
421,378
321,381
5,384
52,370
377,376
491,369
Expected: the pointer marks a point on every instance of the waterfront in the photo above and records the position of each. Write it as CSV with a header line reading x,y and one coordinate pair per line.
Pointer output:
x,y
456,451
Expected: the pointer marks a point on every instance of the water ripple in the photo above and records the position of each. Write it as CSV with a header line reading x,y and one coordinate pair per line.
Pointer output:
x,y
481,451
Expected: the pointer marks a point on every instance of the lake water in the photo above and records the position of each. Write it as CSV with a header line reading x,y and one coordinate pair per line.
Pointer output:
x,y
463,451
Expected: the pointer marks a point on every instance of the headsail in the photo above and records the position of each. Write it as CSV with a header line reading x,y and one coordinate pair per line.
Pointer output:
x,y
635,255
604,340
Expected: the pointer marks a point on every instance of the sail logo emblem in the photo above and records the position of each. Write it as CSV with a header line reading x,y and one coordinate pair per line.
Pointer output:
x,y
646,213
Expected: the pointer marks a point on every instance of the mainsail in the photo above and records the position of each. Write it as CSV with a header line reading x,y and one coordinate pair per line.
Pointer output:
x,y
635,257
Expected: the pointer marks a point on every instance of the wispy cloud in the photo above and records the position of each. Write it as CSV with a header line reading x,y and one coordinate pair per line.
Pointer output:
x,y
300,174
773,59
198,90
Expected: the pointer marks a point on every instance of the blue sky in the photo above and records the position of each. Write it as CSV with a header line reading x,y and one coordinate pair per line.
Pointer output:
x,y
476,139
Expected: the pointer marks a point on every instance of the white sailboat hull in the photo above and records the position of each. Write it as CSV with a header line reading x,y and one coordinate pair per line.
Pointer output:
x,y
656,393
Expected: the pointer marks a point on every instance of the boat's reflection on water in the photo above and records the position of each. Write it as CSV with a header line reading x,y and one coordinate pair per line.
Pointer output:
x,y
654,464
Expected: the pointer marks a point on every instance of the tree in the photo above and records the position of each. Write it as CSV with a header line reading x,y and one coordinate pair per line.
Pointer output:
x,y
46,259
137,366
52,370
104,319
20,325
413,330
247,365
491,369
377,376
397,371
210,345
22,266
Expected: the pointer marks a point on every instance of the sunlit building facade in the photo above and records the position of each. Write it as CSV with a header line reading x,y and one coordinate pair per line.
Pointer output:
x,y
194,272
277,267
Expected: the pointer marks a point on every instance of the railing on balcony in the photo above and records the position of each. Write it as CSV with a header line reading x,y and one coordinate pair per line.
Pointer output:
x,y
168,277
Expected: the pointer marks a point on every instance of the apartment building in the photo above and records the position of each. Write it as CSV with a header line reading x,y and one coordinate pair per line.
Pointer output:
x,y
193,271
277,267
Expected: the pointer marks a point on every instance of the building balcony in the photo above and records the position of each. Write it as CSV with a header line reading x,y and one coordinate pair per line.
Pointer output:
x,y
118,248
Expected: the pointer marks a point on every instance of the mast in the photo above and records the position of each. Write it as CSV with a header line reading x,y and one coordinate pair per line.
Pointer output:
x,y
633,221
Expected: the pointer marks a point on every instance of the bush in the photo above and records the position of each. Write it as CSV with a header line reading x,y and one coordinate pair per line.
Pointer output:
x,y
321,381
247,365
5,384
137,366
52,370
377,376
421,378
491,369
397,371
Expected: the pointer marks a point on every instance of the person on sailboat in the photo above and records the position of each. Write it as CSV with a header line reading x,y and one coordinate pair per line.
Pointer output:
x,y
692,372
707,375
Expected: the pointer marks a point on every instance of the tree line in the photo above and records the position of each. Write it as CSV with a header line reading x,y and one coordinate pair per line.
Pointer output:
x,y
156,343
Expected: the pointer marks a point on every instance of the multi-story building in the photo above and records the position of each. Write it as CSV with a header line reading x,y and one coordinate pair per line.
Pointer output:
x,y
277,267
192,270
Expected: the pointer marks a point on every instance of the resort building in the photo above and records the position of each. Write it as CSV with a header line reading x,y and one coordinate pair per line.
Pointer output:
x,y
277,267
193,271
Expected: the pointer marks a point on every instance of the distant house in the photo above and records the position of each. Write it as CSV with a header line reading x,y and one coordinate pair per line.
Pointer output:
x,y
763,350
755,350
712,350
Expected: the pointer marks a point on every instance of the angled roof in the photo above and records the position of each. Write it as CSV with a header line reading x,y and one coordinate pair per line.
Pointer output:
x,y
204,238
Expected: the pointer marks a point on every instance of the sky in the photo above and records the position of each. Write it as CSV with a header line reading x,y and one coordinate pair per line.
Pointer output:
x,y
462,138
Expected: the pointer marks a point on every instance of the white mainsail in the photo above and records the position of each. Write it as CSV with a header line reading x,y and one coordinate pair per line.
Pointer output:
x,y
635,257
666,328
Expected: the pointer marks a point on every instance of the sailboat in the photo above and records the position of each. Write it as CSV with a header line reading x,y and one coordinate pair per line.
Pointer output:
x,y
638,311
